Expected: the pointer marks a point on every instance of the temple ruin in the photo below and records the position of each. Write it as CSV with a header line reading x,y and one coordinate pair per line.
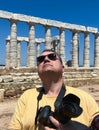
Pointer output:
x,y
58,43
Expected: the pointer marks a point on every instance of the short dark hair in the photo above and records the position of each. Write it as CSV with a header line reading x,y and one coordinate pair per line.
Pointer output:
x,y
51,50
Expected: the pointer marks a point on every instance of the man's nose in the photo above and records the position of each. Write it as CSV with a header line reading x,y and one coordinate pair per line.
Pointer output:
x,y
46,58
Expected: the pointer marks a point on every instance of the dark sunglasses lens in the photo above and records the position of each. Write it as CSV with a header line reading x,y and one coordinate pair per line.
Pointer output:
x,y
40,59
52,56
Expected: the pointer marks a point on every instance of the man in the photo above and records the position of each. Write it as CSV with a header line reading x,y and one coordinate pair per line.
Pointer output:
x,y
33,111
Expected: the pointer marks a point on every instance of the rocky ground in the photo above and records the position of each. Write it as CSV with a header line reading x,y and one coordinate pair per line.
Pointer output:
x,y
7,107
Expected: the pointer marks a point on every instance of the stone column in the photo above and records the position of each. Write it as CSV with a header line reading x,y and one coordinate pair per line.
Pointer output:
x,y
62,45
47,37
31,46
18,54
38,49
7,53
96,58
55,45
75,50
13,44
86,49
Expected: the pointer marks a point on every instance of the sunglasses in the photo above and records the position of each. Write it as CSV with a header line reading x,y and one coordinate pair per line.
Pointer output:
x,y
51,56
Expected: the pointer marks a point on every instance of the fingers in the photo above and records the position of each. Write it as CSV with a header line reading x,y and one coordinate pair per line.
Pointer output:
x,y
56,123
47,128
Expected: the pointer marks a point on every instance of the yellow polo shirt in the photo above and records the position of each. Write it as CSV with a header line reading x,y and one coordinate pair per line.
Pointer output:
x,y
25,112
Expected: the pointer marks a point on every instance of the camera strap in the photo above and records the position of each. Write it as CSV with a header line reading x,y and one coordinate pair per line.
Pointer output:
x,y
60,97
41,92
57,102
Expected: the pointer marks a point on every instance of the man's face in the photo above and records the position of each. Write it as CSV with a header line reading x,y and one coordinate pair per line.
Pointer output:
x,y
49,62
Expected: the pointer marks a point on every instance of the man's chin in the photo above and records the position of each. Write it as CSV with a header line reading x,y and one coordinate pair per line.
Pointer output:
x,y
49,71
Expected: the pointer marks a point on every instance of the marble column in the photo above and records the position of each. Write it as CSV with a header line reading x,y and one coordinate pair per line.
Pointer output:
x,y
18,54
37,49
31,46
96,57
13,44
7,53
86,49
55,45
75,50
47,37
62,45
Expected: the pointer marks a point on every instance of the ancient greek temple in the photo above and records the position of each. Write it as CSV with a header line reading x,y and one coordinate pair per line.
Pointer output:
x,y
58,42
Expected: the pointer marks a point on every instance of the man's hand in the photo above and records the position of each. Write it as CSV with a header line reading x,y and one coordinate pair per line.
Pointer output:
x,y
71,125
59,126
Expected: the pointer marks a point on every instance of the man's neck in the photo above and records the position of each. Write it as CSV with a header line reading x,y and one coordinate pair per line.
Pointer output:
x,y
52,88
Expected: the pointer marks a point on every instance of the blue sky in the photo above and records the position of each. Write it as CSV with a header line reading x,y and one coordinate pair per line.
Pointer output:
x,y
82,12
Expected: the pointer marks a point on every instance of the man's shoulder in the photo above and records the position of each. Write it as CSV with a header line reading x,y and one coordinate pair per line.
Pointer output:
x,y
32,90
76,90
80,93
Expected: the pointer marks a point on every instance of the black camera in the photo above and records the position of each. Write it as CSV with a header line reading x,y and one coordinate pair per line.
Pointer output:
x,y
67,109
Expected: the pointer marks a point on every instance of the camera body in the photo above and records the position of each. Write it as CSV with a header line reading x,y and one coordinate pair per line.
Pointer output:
x,y
67,109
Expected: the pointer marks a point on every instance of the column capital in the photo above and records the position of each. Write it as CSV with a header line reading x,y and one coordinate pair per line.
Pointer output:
x,y
96,34
31,23
86,33
47,26
13,21
75,31
61,28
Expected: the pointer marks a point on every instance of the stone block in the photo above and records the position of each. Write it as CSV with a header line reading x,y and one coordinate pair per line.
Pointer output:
x,y
1,94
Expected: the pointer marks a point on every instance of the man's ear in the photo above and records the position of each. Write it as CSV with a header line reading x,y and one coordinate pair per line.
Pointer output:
x,y
63,68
